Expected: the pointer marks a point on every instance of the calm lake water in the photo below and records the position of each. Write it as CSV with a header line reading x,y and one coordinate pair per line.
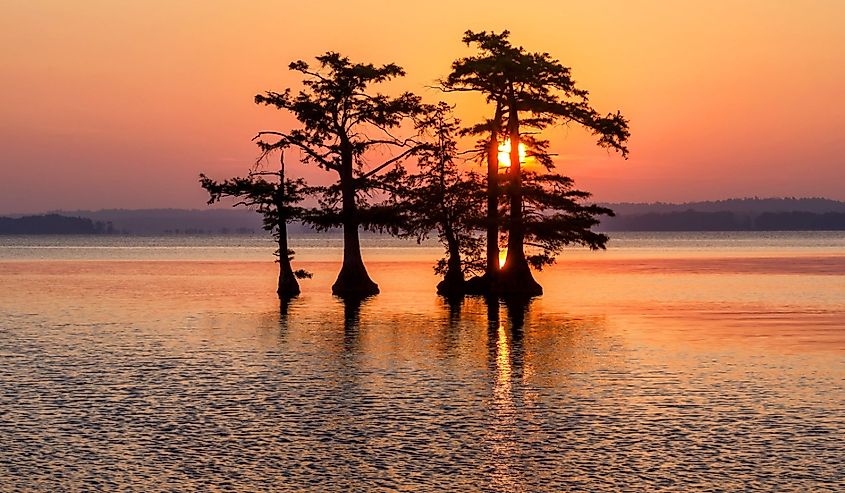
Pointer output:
x,y
674,362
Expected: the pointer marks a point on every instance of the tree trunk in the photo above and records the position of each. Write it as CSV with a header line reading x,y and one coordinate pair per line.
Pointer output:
x,y
353,280
453,282
515,277
288,285
493,199
486,285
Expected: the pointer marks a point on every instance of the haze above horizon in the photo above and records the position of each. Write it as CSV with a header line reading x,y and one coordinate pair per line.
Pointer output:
x,y
106,105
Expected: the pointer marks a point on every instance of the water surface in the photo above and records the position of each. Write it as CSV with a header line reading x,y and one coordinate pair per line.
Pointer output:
x,y
671,362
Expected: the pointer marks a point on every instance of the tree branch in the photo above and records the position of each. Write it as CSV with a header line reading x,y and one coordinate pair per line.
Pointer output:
x,y
287,139
389,162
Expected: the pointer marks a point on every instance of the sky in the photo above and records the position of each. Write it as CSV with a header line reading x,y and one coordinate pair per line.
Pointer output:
x,y
107,104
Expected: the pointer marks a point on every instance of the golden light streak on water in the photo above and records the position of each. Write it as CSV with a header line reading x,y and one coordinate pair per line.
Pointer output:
x,y
503,368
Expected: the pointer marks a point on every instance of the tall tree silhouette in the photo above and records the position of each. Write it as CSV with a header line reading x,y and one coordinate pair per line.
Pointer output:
x,y
342,123
443,199
277,202
530,91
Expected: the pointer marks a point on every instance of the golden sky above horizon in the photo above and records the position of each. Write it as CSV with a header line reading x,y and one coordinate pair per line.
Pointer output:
x,y
121,104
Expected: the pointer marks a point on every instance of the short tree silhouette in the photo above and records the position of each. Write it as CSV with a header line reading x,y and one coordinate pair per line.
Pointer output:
x,y
277,202
530,92
443,199
342,123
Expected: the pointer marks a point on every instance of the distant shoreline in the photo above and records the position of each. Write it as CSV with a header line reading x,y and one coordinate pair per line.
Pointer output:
x,y
750,214
650,223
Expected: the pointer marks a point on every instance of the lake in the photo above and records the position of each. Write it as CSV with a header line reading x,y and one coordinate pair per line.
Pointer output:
x,y
672,361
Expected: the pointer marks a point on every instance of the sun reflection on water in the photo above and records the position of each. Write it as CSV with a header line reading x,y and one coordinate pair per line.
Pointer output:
x,y
503,368
503,477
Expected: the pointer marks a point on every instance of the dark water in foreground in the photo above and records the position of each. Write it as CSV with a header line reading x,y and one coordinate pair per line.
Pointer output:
x,y
672,362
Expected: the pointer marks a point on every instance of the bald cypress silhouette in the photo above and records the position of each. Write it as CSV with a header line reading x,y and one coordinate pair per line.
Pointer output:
x,y
530,92
443,199
277,202
341,121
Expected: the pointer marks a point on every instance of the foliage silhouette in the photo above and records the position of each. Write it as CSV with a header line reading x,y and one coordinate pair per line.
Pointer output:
x,y
342,124
277,202
443,199
530,92
554,217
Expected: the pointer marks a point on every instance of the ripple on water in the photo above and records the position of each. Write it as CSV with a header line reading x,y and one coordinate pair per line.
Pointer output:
x,y
155,388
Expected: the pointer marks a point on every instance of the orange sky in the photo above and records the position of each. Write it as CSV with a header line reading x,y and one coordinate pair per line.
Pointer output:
x,y
121,104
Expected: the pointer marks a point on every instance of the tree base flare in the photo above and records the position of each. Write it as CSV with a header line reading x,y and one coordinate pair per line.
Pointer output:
x,y
354,287
518,283
288,285
507,285
353,281
452,285
480,286
288,288
452,289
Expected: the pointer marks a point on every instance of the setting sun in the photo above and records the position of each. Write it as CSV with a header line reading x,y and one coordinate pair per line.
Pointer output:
x,y
504,153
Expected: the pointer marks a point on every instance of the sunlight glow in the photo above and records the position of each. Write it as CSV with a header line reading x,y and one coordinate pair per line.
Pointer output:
x,y
504,153
503,365
503,255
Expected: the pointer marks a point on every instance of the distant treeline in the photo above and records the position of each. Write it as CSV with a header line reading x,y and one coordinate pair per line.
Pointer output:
x,y
766,214
751,206
692,220
177,221
53,224
753,214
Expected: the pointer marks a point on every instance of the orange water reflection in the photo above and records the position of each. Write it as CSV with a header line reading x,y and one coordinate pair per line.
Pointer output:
x,y
721,374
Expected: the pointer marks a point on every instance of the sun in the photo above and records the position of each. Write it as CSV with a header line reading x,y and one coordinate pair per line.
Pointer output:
x,y
503,256
505,153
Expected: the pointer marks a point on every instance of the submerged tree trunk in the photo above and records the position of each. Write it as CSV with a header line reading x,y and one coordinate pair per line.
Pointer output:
x,y
453,283
353,280
515,277
288,285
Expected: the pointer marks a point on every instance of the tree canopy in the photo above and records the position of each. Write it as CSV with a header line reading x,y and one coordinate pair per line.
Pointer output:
x,y
343,123
346,126
530,92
